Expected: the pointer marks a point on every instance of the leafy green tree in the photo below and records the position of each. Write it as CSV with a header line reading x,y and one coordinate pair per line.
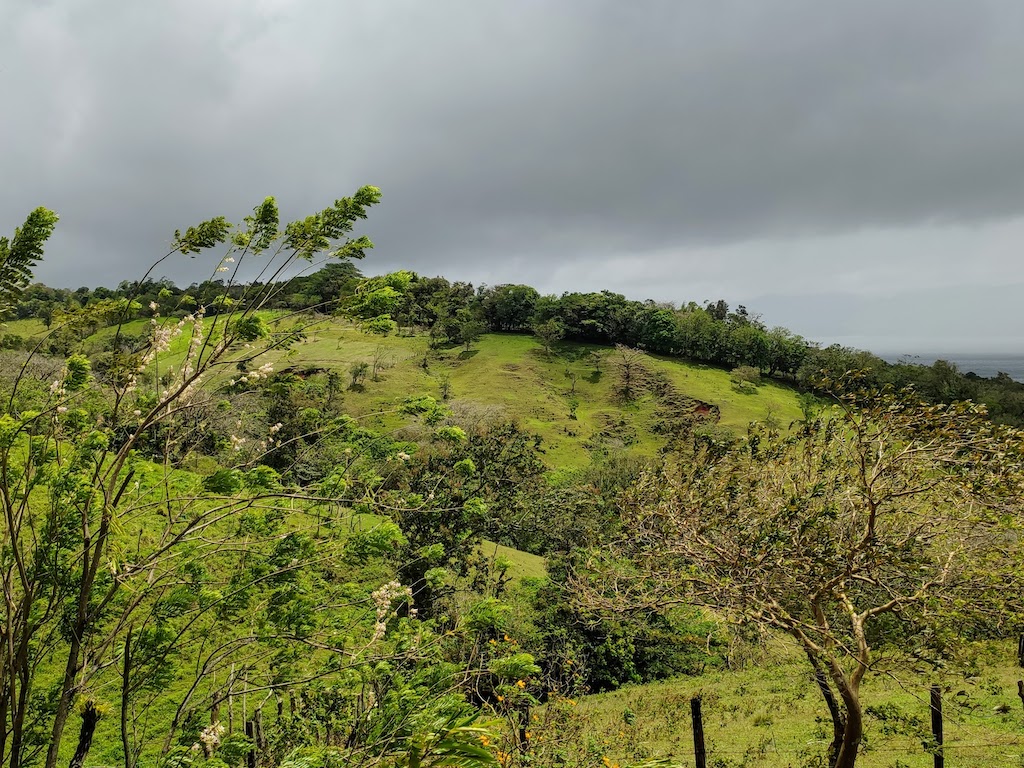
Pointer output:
x,y
886,522
470,332
78,572
548,333
786,352
700,335
745,378
358,371
452,492
656,330
508,307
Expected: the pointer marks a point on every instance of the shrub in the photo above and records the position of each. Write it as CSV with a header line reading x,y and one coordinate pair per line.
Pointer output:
x,y
745,378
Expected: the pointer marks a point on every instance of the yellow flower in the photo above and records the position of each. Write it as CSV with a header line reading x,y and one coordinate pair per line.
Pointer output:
x,y
529,734
501,698
520,683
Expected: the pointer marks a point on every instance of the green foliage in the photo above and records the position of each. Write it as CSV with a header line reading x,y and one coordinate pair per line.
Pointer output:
x,y
450,434
318,232
381,541
204,235
11,341
549,332
602,652
18,255
508,307
382,325
470,332
260,228
250,328
518,666
489,616
76,375
223,482
262,478
358,372
745,378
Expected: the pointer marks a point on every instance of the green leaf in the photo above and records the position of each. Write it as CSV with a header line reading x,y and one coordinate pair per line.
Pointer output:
x,y
204,235
19,255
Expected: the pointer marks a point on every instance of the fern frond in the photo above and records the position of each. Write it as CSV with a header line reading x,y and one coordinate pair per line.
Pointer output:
x,y
19,255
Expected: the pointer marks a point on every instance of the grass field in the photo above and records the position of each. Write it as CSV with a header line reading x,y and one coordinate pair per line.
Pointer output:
x,y
510,374
772,716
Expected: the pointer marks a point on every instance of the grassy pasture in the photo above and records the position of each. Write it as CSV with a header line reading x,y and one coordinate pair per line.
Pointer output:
x,y
771,715
508,374
511,374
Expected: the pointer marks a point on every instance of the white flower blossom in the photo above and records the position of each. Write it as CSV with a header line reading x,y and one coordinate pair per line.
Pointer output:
x,y
210,738
383,600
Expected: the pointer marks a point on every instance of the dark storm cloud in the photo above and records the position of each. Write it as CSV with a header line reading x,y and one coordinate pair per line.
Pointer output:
x,y
612,139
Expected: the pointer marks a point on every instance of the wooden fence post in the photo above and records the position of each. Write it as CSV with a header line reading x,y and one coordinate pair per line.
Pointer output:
x,y
524,727
698,732
250,732
936,702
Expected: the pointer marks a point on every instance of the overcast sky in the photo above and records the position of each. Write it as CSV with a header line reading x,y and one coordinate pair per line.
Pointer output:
x,y
851,170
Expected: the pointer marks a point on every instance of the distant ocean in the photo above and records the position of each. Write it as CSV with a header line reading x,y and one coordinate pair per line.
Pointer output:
x,y
983,365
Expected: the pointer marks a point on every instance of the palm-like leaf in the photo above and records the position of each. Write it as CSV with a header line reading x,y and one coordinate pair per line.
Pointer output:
x,y
19,255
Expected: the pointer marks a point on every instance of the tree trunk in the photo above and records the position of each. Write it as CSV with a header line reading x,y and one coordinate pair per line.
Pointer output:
x,y
90,716
21,708
854,732
834,710
125,695
60,718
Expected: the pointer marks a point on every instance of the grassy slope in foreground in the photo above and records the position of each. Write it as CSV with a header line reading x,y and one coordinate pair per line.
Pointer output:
x,y
771,715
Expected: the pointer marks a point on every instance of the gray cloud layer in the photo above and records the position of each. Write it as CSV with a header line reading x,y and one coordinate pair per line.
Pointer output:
x,y
675,149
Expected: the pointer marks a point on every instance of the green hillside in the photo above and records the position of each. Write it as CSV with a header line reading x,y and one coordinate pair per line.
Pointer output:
x,y
485,528
507,376
515,379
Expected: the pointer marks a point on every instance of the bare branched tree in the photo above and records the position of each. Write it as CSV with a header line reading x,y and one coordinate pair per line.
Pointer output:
x,y
883,524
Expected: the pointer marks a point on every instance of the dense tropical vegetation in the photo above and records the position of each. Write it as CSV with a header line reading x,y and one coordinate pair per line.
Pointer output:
x,y
228,540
